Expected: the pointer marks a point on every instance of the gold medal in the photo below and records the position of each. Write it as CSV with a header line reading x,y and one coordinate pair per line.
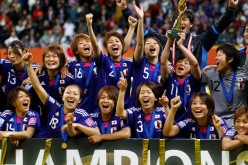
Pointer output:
x,y
64,145
85,90
229,105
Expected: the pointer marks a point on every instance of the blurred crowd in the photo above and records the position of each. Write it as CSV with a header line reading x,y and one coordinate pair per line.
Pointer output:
x,y
39,22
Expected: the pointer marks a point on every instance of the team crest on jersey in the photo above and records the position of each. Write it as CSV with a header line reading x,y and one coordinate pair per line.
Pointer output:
x,y
158,124
113,130
193,129
188,88
125,72
95,71
159,79
241,84
157,116
125,64
212,136
61,90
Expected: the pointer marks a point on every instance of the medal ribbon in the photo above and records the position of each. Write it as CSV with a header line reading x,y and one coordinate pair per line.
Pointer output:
x,y
64,135
56,84
186,81
87,82
155,73
16,125
148,132
228,97
103,130
199,134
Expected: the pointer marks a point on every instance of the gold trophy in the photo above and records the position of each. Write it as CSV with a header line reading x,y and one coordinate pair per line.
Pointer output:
x,y
182,6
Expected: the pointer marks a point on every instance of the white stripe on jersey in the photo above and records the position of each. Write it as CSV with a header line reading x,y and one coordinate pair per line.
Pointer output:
x,y
82,112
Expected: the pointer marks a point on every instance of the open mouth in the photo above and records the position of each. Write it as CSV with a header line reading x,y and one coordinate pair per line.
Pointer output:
x,y
105,106
152,50
25,104
70,101
198,111
146,101
115,50
86,49
180,68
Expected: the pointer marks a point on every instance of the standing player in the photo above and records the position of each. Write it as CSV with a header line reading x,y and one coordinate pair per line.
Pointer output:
x,y
145,67
109,66
185,80
84,71
227,82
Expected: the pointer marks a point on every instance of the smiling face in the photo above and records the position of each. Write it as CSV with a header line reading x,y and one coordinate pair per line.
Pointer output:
x,y
182,68
21,103
71,97
51,61
106,104
114,47
84,49
152,48
241,125
147,99
199,109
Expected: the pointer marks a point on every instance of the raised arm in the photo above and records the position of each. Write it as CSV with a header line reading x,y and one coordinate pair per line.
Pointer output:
x,y
169,128
194,65
217,124
27,58
93,40
123,133
120,111
128,39
140,33
164,63
164,102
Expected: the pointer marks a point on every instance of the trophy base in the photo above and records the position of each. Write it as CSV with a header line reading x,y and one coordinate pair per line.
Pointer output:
x,y
173,33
